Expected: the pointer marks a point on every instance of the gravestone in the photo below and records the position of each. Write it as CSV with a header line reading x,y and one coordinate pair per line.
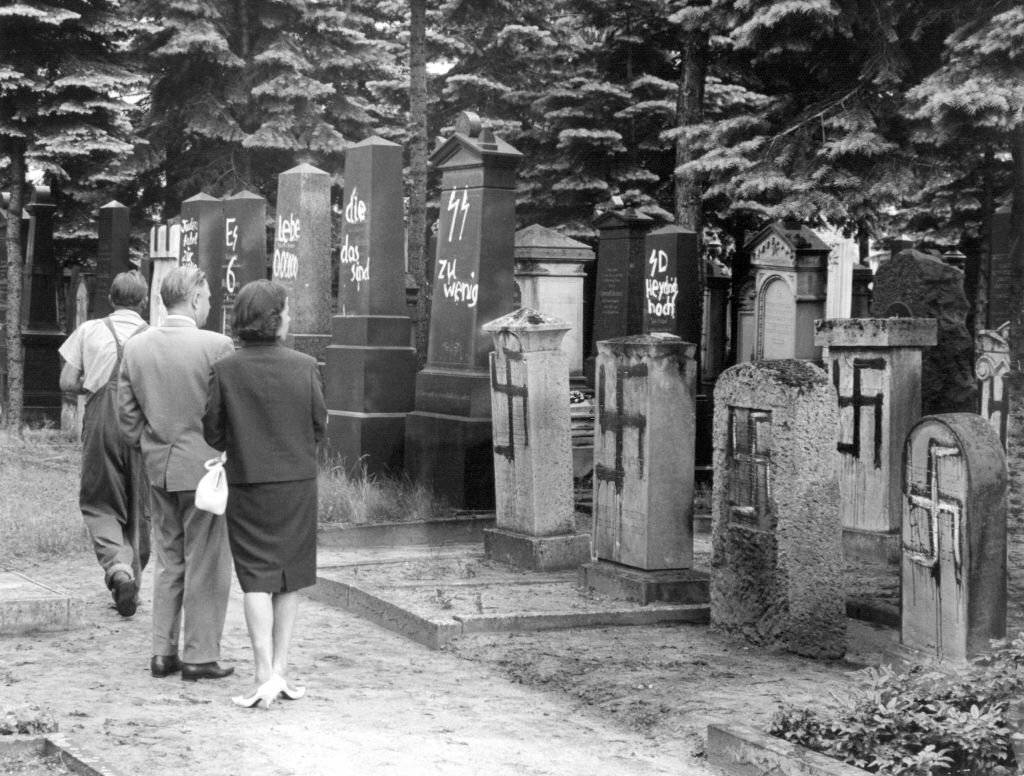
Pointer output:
x,y
777,561
875,365
923,286
992,370
672,301
111,255
953,571
448,444
164,249
550,269
302,255
202,245
621,293
370,366
746,333
790,263
41,335
644,471
1000,297
534,507
245,250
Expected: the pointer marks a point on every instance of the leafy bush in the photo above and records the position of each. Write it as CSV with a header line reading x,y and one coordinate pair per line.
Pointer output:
x,y
920,721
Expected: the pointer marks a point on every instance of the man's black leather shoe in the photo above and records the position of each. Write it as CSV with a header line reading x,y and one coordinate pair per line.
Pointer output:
x,y
125,592
192,671
164,665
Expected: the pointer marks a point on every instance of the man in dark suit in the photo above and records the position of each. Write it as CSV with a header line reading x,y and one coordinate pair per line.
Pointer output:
x,y
162,391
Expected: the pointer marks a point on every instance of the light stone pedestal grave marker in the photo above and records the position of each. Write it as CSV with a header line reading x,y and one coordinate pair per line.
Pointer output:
x,y
875,366
777,558
27,605
533,490
953,571
644,470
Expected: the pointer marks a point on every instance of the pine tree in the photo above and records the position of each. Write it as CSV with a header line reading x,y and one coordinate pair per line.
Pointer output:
x,y
243,89
63,81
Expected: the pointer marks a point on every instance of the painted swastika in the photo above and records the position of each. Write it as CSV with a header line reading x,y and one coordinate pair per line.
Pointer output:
x,y
856,401
617,420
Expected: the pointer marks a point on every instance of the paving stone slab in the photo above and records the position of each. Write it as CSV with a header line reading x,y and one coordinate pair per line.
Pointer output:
x,y
27,605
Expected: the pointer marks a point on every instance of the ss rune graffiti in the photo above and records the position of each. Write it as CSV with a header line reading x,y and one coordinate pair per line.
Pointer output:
x,y
452,287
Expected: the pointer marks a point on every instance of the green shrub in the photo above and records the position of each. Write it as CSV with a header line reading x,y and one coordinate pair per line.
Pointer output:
x,y
920,721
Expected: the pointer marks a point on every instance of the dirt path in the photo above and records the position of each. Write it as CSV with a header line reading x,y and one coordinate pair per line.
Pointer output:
x,y
377,703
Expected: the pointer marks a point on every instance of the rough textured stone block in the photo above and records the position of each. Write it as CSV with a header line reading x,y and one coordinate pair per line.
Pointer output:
x,y
776,538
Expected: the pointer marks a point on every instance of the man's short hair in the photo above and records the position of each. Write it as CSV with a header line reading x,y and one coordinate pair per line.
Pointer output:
x,y
179,284
128,289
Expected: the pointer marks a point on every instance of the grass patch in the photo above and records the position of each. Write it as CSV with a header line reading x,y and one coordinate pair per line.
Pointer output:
x,y
368,499
39,514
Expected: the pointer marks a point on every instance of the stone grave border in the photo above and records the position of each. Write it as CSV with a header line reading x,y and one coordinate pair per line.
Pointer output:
x,y
75,758
746,751
59,612
461,529
435,634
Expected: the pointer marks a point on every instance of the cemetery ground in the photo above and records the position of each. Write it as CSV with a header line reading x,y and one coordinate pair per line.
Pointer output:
x,y
622,700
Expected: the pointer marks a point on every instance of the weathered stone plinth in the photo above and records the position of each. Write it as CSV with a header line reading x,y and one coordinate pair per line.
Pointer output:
x,y
953,569
164,250
538,553
875,366
534,508
777,557
676,586
644,452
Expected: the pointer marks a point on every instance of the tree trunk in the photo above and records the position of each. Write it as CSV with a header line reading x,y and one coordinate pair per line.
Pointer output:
x,y
15,270
689,111
689,191
418,143
981,321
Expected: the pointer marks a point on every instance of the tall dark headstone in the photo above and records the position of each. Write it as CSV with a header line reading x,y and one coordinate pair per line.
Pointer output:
x,y
918,285
672,284
302,255
245,249
621,292
111,255
41,335
448,436
202,245
370,364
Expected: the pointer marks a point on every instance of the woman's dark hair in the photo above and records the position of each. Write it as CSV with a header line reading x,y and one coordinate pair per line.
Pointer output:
x,y
258,309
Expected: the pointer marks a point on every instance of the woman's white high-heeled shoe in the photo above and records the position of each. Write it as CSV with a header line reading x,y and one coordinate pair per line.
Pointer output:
x,y
289,693
264,695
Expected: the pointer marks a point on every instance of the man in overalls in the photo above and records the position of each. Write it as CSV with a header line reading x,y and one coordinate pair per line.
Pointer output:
x,y
114,492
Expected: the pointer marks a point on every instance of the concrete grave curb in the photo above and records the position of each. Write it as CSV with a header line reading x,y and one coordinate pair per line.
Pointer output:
x,y
75,758
743,751
435,634
27,606
456,530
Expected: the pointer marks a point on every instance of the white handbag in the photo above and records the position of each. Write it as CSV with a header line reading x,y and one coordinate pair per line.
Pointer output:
x,y
212,490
